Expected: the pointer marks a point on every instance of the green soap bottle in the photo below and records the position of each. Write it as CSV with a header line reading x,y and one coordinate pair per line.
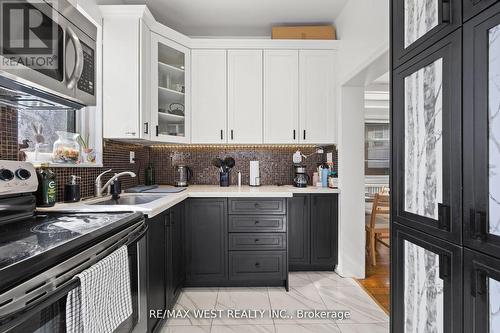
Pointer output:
x,y
46,194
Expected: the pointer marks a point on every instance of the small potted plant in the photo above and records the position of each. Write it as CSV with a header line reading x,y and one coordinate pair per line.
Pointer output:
x,y
89,155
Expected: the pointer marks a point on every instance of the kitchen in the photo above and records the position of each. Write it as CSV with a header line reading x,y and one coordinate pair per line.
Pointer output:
x,y
195,173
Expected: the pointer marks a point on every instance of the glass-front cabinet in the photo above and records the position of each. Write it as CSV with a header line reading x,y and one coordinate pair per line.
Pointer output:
x,y
426,284
481,293
417,24
482,133
427,125
170,90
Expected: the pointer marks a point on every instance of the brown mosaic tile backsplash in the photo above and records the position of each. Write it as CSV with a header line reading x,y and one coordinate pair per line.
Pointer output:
x,y
275,161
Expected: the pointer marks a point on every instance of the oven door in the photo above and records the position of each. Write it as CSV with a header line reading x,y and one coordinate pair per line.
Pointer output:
x,y
51,56
47,314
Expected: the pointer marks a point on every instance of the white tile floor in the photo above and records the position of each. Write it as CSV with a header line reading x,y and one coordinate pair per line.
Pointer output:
x,y
308,291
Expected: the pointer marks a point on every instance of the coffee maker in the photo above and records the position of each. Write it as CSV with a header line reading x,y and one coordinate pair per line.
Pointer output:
x,y
301,177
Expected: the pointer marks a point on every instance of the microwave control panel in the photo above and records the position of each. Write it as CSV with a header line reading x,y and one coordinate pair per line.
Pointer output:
x,y
87,79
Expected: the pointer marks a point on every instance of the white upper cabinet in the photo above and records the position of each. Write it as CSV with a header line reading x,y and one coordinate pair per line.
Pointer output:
x,y
126,60
317,116
244,96
170,88
281,96
208,97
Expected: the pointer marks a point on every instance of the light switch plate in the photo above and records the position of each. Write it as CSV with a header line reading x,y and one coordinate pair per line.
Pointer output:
x,y
132,157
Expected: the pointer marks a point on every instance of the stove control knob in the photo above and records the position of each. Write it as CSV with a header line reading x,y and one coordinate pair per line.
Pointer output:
x,y
6,174
23,174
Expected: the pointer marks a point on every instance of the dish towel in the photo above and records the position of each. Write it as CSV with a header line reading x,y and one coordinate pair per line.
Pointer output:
x,y
103,300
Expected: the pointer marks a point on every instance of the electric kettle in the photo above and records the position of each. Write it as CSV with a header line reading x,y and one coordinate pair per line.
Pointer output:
x,y
182,175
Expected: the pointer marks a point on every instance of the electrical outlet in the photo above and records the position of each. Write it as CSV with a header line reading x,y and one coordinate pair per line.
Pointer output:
x,y
132,157
329,157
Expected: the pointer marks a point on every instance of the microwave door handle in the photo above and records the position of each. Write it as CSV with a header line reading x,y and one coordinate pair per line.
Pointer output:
x,y
77,71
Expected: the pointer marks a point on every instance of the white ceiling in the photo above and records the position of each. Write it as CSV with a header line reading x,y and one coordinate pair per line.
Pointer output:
x,y
245,18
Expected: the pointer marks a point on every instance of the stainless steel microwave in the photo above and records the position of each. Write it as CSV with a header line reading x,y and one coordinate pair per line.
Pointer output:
x,y
47,55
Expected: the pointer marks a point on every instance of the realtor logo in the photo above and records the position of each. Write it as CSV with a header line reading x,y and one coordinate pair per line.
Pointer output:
x,y
29,36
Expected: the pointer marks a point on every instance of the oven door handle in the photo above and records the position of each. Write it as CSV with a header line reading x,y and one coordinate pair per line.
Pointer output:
x,y
77,71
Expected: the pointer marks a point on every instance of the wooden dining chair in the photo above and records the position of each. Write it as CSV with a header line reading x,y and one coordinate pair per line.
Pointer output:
x,y
377,224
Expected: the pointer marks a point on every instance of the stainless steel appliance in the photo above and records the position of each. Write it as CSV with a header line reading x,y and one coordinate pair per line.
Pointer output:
x,y
60,72
301,177
183,175
40,255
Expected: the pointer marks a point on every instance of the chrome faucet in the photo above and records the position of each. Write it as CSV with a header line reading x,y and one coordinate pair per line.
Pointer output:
x,y
99,188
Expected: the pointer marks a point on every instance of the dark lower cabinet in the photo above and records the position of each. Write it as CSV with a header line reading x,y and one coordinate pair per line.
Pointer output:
x,y
313,232
481,293
165,261
206,241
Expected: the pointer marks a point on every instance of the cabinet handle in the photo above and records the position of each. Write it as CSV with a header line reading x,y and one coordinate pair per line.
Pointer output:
x,y
129,133
445,11
304,134
257,264
231,134
146,128
256,205
443,217
257,240
221,135
256,222
478,224
478,283
156,130
294,134
444,267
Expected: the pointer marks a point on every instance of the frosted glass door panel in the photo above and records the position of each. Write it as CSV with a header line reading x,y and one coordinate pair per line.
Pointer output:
x,y
423,171
494,305
423,291
420,17
494,126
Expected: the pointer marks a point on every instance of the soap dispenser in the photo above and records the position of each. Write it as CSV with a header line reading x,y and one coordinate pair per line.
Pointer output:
x,y
72,190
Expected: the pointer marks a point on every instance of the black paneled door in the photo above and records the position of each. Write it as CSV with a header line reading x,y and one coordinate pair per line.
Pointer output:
x,y
418,24
482,132
426,140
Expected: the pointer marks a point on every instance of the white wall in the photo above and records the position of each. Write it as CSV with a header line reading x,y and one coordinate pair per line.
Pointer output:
x,y
363,28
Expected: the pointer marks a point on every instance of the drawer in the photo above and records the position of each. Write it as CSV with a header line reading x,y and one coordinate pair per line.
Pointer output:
x,y
257,223
257,206
257,265
257,241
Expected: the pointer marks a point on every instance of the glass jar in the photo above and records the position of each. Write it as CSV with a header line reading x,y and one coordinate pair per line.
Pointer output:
x,y
66,148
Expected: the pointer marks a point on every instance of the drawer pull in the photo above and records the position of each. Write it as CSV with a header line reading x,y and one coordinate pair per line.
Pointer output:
x,y
257,264
257,222
257,240
256,204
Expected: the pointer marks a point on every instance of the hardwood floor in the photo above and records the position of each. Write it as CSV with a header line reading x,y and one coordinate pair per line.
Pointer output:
x,y
377,279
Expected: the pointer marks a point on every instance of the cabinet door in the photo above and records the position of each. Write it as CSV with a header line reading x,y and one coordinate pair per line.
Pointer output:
x,y
417,24
244,96
206,240
176,236
208,98
281,96
298,230
324,229
481,293
482,132
169,268
473,7
156,267
426,141
317,116
170,90
426,283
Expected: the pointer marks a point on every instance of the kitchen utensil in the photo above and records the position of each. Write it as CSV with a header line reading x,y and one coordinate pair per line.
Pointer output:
x,y
229,162
217,162
183,174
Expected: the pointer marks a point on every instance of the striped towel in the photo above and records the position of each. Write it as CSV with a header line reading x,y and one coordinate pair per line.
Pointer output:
x,y
103,300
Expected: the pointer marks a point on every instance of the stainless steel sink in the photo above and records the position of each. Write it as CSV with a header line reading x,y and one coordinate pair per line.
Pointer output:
x,y
129,200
